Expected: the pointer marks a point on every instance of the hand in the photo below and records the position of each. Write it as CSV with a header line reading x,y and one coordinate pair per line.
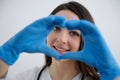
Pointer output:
x,y
31,39
95,51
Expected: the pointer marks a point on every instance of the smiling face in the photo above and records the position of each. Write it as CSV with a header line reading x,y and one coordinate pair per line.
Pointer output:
x,y
63,40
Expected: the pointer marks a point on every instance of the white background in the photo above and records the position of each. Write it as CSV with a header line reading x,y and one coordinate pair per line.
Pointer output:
x,y
16,14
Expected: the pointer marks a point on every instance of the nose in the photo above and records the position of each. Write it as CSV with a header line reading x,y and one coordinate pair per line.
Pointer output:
x,y
63,37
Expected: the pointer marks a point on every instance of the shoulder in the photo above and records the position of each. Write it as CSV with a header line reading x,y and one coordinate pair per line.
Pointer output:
x,y
29,74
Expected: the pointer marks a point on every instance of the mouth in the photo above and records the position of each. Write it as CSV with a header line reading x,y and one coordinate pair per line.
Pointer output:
x,y
61,50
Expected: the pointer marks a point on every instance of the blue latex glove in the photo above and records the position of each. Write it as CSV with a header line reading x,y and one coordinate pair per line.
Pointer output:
x,y
95,51
31,39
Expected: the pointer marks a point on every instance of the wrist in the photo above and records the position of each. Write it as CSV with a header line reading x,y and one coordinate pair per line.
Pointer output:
x,y
110,74
117,78
3,69
8,54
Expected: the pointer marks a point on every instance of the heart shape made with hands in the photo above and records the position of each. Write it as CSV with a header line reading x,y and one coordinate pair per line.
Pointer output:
x,y
88,31
85,28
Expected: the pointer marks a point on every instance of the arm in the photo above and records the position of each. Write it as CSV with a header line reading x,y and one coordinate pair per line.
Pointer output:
x,y
34,34
3,69
95,52
118,78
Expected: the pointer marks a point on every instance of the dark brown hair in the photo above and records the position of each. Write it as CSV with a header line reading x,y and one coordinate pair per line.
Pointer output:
x,y
82,13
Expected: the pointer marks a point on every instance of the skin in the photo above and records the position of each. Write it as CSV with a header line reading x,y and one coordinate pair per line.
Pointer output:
x,y
3,69
63,40
59,70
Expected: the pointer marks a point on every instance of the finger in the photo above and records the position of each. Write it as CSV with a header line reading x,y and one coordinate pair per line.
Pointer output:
x,y
58,21
71,55
86,27
80,56
50,52
50,20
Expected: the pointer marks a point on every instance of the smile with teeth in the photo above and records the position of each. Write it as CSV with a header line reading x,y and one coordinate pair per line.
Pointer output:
x,y
60,50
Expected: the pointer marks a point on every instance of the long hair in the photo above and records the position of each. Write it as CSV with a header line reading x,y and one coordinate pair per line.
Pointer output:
x,y
82,13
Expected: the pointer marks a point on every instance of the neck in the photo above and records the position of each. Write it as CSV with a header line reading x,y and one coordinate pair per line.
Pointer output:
x,y
63,70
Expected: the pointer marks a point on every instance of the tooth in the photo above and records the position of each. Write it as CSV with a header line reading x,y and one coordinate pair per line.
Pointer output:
x,y
60,49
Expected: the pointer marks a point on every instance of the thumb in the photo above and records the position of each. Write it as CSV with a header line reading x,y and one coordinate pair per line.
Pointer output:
x,y
72,55
85,27
50,52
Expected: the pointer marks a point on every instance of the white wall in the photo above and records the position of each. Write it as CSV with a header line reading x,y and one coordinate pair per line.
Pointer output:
x,y
16,14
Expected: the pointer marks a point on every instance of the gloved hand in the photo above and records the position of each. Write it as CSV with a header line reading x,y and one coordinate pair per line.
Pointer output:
x,y
31,39
95,51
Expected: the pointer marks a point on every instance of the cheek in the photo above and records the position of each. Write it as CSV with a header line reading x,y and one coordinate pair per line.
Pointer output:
x,y
75,44
50,39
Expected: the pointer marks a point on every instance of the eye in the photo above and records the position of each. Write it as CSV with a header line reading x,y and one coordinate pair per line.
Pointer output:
x,y
74,33
57,28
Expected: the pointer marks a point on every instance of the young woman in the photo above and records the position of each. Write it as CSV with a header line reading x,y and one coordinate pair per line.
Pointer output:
x,y
61,39
73,10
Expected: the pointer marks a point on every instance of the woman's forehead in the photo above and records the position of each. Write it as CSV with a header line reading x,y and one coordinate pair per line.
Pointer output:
x,y
68,14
